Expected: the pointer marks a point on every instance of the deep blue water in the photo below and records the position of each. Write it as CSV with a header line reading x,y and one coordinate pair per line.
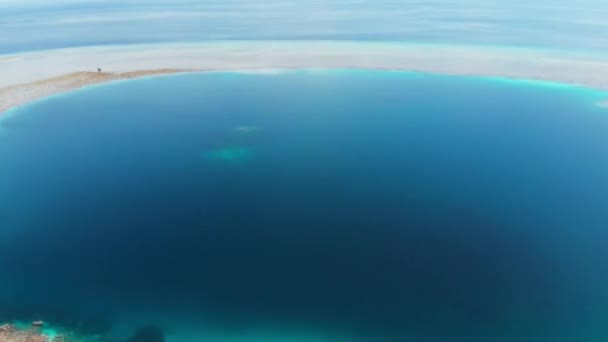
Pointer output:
x,y
375,204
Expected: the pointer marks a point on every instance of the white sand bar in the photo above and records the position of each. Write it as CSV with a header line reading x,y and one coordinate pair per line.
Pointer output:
x,y
29,76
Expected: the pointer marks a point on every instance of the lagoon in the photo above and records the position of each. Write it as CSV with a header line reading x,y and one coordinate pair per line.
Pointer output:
x,y
325,205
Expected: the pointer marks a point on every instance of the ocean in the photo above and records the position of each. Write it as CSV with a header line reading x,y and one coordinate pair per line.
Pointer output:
x,y
324,205
565,25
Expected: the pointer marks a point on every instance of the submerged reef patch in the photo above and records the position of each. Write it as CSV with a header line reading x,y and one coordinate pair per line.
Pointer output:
x,y
246,129
230,154
37,331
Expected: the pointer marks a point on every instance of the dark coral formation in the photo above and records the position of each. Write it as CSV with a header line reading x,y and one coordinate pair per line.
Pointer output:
x,y
148,334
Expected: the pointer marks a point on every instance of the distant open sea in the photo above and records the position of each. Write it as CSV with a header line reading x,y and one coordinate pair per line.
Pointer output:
x,y
319,205
567,25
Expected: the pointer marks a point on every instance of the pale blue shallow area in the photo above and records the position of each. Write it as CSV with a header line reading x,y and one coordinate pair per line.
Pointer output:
x,y
568,25
379,205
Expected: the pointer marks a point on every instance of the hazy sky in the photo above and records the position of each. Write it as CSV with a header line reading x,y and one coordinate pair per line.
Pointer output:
x,y
562,24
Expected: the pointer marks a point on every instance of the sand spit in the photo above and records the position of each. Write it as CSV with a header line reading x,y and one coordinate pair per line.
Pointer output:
x,y
17,95
30,76
8,59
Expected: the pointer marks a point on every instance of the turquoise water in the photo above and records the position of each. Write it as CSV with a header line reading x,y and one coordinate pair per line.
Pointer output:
x,y
321,206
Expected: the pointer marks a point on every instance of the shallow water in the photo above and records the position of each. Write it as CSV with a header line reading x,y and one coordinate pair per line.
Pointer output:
x,y
362,204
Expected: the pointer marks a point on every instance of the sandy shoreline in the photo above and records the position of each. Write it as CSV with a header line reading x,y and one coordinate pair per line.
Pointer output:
x,y
31,76
14,96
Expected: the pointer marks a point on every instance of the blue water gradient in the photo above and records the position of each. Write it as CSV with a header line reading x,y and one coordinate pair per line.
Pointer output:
x,y
374,205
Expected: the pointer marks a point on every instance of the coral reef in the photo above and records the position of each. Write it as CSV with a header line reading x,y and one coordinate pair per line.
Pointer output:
x,y
12,333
